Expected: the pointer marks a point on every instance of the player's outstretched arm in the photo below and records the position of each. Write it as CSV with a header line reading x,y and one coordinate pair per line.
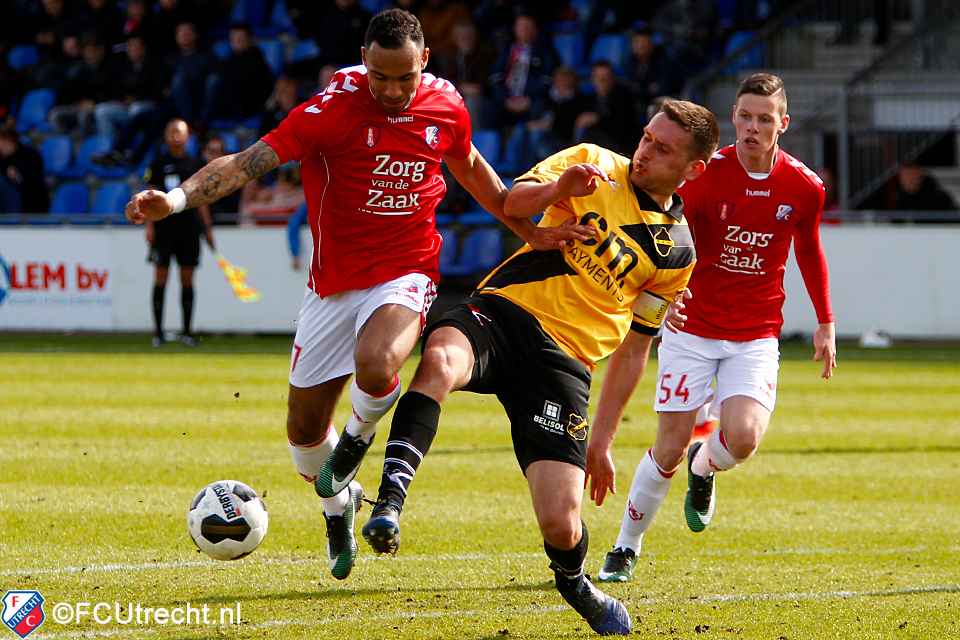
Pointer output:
x,y
825,345
624,371
214,181
478,177
527,199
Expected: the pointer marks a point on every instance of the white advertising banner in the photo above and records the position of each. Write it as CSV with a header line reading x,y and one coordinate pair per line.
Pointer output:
x,y
55,279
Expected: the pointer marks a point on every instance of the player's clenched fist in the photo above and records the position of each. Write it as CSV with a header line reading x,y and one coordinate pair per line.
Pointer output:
x,y
150,205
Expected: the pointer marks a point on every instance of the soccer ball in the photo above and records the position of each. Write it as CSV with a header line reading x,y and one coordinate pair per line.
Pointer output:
x,y
227,520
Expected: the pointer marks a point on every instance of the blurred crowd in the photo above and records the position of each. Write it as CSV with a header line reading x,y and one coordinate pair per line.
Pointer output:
x,y
543,75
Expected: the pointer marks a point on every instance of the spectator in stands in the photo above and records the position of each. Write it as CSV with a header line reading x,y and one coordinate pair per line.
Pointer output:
x,y
243,83
917,191
612,120
91,80
468,67
285,97
553,130
521,76
494,19
170,14
193,84
138,19
22,189
651,72
305,15
341,32
143,81
437,18
177,236
606,16
103,18
57,44
11,84
226,210
687,28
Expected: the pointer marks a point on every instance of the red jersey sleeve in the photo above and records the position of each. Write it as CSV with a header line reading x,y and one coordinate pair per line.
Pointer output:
x,y
460,148
811,259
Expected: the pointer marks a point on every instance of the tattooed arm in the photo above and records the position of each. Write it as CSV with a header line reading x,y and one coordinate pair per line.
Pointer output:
x,y
219,178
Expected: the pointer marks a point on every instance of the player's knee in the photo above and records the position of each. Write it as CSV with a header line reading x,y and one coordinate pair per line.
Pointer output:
x,y
560,530
438,368
376,372
742,443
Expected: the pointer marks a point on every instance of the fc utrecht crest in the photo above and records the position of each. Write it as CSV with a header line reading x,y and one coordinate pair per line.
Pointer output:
x,y
724,209
22,611
432,135
783,213
371,134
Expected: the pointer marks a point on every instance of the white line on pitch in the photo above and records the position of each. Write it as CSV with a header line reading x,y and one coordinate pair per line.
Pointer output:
x,y
448,558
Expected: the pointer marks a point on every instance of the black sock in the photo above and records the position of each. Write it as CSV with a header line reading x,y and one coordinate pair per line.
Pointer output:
x,y
415,422
186,302
158,291
568,565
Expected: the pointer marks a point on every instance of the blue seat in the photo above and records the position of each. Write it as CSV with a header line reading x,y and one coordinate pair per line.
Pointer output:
x,y
57,154
82,166
280,18
71,198
304,50
23,55
448,252
612,47
253,12
482,251
34,107
374,6
752,58
231,142
571,48
487,142
111,198
221,49
273,52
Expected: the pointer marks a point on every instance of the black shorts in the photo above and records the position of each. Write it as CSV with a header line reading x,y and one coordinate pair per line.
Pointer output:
x,y
184,244
544,391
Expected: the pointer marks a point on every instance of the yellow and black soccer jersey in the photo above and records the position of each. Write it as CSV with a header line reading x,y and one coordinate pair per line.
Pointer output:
x,y
587,296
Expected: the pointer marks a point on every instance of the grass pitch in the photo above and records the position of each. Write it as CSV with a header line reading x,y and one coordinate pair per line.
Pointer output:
x,y
844,525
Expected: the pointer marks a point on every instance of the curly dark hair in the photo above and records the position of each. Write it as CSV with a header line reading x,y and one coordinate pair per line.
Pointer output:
x,y
392,28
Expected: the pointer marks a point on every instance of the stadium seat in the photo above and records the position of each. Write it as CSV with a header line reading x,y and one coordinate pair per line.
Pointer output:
x,y
280,18
374,6
82,166
304,50
752,58
571,48
221,49
273,52
253,12
71,198
57,154
231,142
482,251
23,55
488,142
111,198
448,252
612,47
33,111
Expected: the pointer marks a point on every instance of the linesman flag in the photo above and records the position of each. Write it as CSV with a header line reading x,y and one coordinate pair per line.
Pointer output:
x,y
237,277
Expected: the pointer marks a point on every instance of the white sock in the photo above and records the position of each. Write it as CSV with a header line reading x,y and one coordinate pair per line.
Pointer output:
x,y
714,456
309,459
368,409
647,493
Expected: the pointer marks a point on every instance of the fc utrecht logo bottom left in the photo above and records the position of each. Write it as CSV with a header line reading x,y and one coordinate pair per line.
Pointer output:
x,y
22,611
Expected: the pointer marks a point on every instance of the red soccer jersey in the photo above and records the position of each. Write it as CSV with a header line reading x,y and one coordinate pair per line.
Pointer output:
x,y
372,179
742,229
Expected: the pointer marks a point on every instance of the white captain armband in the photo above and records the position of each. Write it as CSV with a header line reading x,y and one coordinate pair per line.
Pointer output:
x,y
178,198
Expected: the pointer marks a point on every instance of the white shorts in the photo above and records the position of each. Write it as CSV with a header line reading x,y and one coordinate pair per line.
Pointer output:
x,y
688,365
326,339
